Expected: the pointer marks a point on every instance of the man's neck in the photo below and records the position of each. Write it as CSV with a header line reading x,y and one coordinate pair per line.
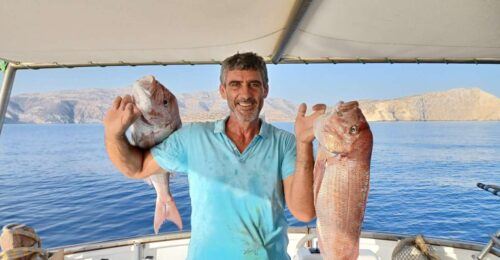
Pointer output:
x,y
242,133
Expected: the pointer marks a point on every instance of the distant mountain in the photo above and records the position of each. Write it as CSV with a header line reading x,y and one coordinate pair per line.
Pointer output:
x,y
72,106
459,104
89,106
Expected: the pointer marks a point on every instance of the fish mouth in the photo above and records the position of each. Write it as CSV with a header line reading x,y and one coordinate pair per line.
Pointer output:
x,y
165,122
143,119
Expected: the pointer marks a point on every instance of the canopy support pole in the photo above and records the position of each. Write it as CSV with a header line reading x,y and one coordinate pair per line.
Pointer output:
x,y
8,81
298,12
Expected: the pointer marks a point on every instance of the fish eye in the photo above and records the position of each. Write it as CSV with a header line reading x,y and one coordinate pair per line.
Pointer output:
x,y
354,129
165,103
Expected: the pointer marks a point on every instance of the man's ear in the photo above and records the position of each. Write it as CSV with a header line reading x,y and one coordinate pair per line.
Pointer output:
x,y
266,91
222,91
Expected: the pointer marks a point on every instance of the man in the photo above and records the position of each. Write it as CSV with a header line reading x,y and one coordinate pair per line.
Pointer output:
x,y
241,170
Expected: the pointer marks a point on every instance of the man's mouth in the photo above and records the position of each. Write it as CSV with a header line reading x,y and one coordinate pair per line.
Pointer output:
x,y
248,104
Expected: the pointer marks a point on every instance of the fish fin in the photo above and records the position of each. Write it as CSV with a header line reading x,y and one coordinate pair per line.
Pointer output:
x,y
148,181
159,215
173,214
166,211
319,172
320,240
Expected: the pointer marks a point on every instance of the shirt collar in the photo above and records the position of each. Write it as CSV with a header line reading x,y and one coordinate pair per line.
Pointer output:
x,y
265,128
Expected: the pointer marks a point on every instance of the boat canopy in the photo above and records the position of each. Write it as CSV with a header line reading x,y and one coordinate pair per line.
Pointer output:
x,y
61,33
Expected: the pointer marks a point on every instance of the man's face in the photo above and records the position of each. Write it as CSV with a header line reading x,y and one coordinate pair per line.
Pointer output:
x,y
244,91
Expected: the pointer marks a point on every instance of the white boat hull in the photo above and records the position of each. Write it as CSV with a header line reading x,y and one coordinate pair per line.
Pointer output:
x,y
175,246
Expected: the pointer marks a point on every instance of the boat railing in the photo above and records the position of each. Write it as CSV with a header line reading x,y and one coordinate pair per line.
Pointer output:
x,y
309,233
493,245
133,241
495,189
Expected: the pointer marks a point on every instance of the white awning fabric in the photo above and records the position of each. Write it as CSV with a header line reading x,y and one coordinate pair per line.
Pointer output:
x,y
62,32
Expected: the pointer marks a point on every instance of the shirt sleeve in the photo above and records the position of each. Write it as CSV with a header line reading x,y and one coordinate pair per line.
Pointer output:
x,y
171,154
289,156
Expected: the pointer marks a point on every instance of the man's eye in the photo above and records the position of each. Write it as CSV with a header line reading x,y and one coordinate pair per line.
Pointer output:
x,y
255,85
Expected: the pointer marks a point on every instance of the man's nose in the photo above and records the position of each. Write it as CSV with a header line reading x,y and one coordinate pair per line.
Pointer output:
x,y
245,91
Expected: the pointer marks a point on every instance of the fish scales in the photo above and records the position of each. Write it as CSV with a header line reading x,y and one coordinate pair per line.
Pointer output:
x,y
160,118
341,179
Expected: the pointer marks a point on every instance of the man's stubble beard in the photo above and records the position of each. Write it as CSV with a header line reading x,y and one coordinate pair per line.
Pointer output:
x,y
243,116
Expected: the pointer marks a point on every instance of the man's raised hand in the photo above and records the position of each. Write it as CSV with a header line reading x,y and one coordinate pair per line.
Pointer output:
x,y
120,116
304,124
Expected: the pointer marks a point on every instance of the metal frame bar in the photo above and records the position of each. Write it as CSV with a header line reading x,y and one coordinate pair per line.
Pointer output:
x,y
298,12
73,249
56,65
299,60
8,81
285,60
489,248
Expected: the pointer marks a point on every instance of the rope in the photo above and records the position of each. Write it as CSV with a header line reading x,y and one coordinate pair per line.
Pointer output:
x,y
26,234
11,230
424,248
16,253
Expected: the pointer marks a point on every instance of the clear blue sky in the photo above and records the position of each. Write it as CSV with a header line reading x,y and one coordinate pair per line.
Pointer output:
x,y
312,83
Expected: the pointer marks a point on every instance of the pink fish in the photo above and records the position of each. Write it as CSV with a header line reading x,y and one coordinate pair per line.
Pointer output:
x,y
160,117
341,179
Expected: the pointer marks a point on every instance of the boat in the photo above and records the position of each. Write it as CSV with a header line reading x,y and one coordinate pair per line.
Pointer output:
x,y
373,246
43,34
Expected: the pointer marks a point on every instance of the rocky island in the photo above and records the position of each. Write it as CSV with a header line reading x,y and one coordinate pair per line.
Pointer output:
x,y
89,106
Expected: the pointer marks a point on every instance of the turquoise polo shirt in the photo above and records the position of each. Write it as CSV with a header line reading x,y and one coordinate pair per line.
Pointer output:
x,y
237,198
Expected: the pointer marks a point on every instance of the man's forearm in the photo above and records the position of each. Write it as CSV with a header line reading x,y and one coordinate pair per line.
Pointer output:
x,y
127,158
302,198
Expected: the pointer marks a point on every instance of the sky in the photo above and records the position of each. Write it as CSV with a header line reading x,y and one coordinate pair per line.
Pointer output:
x,y
313,83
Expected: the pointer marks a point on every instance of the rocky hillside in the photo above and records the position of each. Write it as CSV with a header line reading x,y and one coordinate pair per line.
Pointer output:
x,y
89,106
456,104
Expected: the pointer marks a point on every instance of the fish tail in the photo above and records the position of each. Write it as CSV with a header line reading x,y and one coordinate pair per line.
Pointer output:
x,y
166,211
173,214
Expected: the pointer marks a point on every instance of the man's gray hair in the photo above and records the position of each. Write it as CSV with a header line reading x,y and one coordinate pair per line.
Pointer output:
x,y
244,61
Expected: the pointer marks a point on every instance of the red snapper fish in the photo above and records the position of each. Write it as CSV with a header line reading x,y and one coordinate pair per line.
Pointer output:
x,y
341,179
160,117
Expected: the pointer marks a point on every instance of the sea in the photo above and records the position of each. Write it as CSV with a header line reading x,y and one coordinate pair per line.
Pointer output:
x,y
58,179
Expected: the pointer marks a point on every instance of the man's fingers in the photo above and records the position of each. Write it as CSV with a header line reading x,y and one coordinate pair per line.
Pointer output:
x,y
136,112
127,99
133,110
123,104
116,102
318,107
302,110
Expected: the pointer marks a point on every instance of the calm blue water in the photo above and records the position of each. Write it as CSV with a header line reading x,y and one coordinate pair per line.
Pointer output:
x,y
58,179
